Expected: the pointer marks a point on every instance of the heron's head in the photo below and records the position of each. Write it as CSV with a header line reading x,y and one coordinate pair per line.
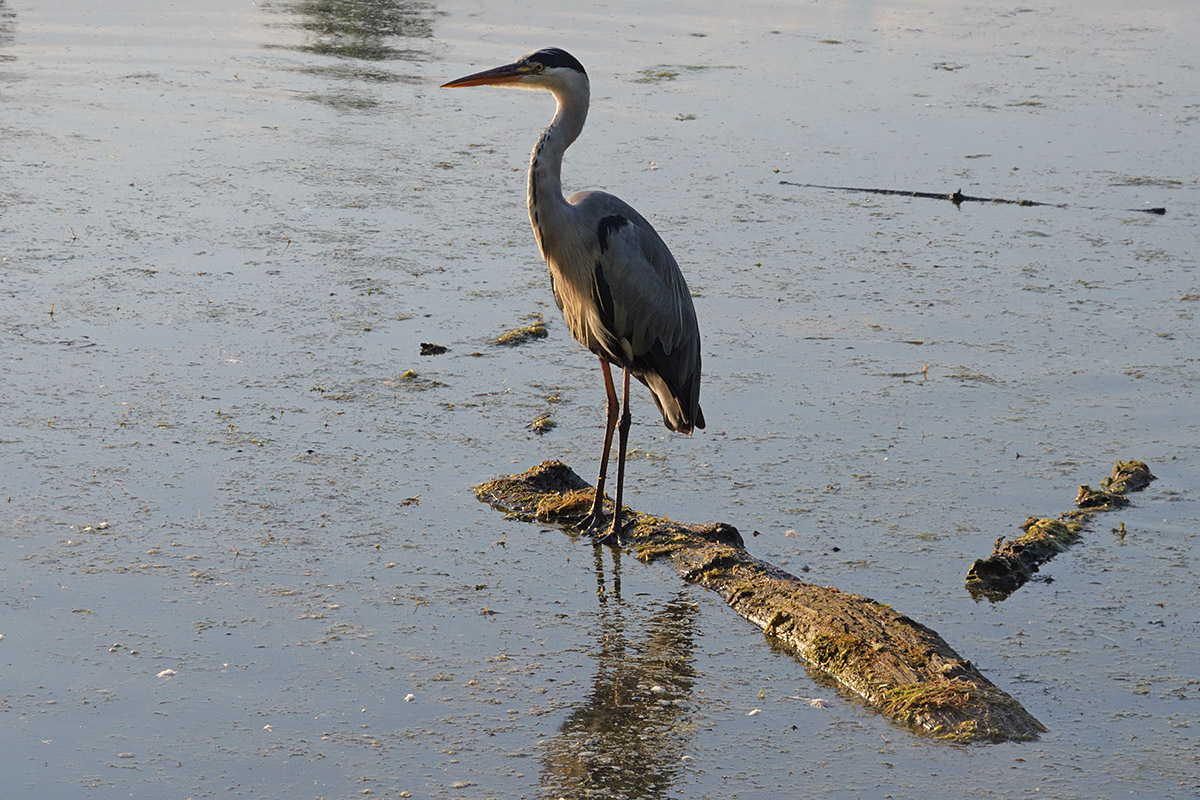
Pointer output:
x,y
550,68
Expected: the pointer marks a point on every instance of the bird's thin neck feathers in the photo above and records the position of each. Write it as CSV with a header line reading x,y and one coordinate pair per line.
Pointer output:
x,y
545,163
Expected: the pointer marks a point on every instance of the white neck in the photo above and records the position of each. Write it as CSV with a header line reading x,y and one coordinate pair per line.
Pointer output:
x,y
546,201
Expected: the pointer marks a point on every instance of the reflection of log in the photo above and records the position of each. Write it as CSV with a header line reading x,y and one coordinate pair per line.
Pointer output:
x,y
1011,564
899,666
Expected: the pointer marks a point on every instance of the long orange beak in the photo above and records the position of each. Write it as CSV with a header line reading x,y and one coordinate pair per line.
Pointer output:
x,y
509,73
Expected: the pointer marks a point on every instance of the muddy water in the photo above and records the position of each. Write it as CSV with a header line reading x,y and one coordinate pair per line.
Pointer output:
x,y
241,555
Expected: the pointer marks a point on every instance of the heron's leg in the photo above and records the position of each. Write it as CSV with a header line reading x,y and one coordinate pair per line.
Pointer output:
x,y
615,531
596,516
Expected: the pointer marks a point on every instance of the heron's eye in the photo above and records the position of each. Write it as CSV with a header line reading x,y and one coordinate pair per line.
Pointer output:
x,y
539,67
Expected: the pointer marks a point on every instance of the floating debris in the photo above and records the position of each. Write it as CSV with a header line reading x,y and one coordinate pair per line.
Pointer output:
x,y
655,75
535,330
409,379
166,673
815,702
432,349
542,424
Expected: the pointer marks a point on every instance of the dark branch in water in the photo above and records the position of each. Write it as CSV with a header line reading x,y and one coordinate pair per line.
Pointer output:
x,y
956,197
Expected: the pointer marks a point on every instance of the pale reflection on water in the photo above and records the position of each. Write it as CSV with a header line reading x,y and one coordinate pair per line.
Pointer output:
x,y
370,30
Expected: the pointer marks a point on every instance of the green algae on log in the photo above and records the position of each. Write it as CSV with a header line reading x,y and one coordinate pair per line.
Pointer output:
x,y
1099,499
899,666
1128,476
1013,563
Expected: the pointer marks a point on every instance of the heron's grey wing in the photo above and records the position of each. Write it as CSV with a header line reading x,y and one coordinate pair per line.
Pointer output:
x,y
644,303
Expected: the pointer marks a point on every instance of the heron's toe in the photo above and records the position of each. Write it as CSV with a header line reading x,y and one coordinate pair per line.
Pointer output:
x,y
613,535
593,523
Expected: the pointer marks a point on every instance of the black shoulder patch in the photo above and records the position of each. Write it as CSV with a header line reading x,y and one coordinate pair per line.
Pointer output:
x,y
556,57
602,294
607,227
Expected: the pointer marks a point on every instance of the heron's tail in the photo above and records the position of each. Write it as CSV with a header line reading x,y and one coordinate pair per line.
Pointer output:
x,y
680,409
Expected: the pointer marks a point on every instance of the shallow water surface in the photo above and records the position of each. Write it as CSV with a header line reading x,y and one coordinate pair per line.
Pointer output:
x,y
242,555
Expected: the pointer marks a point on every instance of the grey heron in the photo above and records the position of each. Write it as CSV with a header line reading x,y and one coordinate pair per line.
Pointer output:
x,y
620,291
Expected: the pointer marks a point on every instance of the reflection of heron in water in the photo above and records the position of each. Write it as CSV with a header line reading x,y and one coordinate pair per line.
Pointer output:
x,y
602,590
629,735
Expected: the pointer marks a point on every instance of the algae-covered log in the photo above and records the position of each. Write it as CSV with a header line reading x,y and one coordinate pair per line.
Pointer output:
x,y
898,665
1128,476
1013,563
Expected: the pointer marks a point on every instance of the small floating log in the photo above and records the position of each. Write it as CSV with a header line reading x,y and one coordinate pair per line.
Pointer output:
x,y
1013,563
899,666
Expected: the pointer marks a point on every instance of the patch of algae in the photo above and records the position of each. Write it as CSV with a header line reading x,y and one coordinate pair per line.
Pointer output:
x,y
780,619
564,507
522,335
835,653
910,702
1099,498
1055,532
653,551
1128,476
517,499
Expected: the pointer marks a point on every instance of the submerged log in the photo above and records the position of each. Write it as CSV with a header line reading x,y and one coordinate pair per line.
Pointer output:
x,y
899,666
1013,563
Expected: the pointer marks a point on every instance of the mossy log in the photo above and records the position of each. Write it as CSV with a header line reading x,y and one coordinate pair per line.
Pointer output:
x,y
899,666
1013,563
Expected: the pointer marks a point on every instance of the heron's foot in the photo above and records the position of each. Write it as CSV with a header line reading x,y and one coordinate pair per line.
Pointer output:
x,y
614,534
593,524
